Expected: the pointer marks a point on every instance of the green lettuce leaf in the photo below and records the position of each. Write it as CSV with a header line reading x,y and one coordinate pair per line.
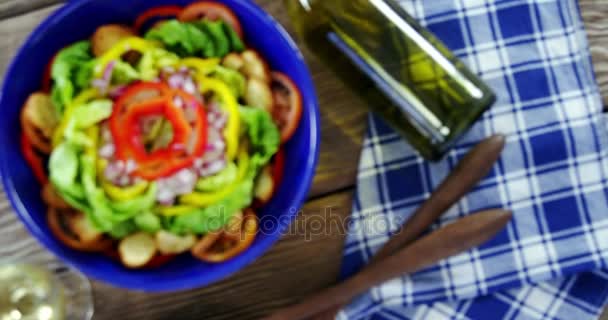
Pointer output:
x,y
148,222
182,38
264,136
124,73
153,60
233,79
236,43
71,71
205,38
221,180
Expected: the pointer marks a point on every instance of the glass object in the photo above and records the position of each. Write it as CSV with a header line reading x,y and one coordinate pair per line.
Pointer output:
x,y
404,72
30,292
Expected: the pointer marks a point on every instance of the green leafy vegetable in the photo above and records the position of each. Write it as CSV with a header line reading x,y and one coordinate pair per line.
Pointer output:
x,y
215,30
182,38
235,41
63,168
85,116
148,222
71,71
123,229
263,134
233,79
124,73
137,205
220,180
153,60
208,39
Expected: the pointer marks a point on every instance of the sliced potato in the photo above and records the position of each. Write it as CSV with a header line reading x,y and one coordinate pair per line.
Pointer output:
x,y
259,95
233,61
72,229
202,247
264,185
106,36
84,229
137,250
254,66
169,243
40,112
39,120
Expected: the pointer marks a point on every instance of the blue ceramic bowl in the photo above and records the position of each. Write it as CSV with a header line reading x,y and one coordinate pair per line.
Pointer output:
x,y
77,20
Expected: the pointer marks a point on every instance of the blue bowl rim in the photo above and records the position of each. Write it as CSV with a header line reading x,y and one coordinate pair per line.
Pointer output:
x,y
251,254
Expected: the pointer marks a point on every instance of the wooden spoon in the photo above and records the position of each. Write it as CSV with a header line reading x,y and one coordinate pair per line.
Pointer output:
x,y
464,234
469,171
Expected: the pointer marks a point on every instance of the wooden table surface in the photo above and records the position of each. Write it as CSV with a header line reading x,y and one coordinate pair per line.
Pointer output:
x,y
302,262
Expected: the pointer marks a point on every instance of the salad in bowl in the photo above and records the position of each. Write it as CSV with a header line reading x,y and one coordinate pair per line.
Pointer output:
x,y
160,138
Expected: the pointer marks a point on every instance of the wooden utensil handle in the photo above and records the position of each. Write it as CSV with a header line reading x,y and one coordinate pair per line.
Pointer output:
x,y
469,171
462,235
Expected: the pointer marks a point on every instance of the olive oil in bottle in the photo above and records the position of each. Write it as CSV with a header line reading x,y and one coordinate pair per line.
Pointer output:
x,y
404,72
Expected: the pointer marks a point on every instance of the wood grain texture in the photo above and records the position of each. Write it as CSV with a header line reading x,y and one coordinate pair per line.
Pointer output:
x,y
11,8
295,267
595,15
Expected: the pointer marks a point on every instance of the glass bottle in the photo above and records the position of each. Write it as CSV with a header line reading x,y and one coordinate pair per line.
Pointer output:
x,y
403,71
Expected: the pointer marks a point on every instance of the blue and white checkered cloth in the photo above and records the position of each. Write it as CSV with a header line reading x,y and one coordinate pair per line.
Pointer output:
x,y
549,263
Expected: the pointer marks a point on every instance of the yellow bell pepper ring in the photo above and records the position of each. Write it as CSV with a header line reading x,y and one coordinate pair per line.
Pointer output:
x,y
124,194
230,105
122,47
81,99
175,210
203,67
200,199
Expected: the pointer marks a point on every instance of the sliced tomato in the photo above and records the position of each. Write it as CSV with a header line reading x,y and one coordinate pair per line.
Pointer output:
x,y
46,78
287,109
278,167
157,12
33,160
68,228
159,260
212,11
225,247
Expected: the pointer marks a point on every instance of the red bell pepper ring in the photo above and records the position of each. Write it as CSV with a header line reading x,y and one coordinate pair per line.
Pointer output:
x,y
143,91
146,99
162,11
158,107
33,160
179,159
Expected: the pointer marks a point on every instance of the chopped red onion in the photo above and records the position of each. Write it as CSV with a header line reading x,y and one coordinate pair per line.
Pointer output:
x,y
189,86
107,151
176,81
178,102
107,73
100,85
124,181
130,166
164,194
213,168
